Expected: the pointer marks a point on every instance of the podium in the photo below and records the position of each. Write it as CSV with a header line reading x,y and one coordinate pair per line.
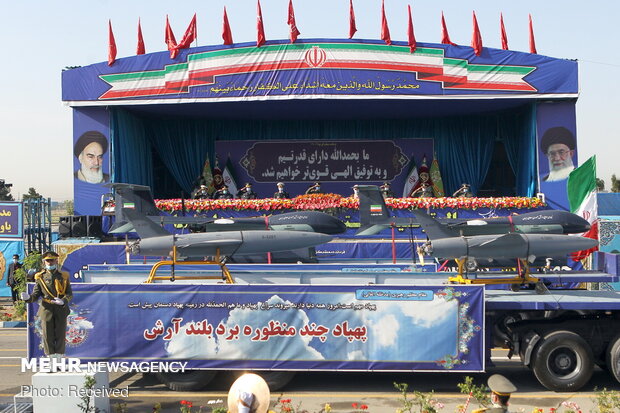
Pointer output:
x,y
62,392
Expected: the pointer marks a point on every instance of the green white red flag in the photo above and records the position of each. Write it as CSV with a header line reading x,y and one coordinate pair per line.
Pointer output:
x,y
229,177
412,178
581,189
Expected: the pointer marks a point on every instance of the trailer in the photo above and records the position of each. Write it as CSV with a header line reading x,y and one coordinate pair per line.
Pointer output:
x,y
282,319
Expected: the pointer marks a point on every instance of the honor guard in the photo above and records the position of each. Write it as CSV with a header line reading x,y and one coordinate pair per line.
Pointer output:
x,y
501,389
53,286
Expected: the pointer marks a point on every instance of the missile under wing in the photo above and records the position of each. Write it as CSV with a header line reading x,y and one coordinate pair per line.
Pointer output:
x,y
375,216
156,241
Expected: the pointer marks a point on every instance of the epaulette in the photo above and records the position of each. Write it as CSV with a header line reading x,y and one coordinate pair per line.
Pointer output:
x,y
39,274
65,275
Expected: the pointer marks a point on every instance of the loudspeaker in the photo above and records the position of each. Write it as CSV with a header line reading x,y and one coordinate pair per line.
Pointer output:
x,y
94,225
64,227
78,226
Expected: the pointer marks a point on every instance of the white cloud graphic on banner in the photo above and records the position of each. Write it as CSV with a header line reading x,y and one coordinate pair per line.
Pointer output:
x,y
281,348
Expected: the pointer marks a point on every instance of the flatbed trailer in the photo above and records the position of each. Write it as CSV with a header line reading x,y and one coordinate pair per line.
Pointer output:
x,y
560,334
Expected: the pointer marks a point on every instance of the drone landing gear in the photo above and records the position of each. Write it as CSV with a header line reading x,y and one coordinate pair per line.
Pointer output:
x,y
523,277
226,275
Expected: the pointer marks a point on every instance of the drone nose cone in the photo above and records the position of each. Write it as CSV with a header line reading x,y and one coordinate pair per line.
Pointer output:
x,y
578,224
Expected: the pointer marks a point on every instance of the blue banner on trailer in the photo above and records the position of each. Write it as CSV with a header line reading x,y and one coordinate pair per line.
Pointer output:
x,y
283,327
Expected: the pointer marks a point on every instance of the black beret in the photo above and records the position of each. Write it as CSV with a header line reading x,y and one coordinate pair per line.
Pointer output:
x,y
559,134
87,138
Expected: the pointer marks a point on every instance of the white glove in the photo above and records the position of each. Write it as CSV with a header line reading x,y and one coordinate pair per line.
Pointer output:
x,y
24,295
58,301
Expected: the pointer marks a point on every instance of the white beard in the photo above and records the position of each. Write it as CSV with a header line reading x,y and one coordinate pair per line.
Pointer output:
x,y
92,177
560,174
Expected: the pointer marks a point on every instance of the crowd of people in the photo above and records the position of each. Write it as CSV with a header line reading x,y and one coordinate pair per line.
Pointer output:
x,y
423,190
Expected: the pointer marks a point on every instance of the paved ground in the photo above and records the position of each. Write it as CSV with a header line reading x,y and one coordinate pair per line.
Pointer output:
x,y
310,390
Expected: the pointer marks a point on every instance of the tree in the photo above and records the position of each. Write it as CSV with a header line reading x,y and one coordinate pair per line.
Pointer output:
x,y
615,184
68,205
5,194
600,184
32,194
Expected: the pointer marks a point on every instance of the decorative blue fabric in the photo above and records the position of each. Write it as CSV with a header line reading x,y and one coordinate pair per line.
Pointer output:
x,y
464,145
131,151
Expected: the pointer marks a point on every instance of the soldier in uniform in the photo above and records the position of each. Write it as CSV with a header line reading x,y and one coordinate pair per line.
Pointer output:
x,y
423,191
463,192
501,389
246,192
202,193
281,194
223,193
53,286
11,281
314,189
386,191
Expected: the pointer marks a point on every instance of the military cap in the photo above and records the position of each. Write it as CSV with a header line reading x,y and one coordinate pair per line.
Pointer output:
x,y
280,184
559,134
50,255
501,385
87,138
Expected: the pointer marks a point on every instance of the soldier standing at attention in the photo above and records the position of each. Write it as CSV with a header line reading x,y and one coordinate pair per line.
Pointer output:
x,y
501,389
53,286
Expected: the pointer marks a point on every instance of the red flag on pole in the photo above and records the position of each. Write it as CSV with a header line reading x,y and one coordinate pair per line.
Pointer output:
x,y
291,22
140,49
532,41
352,27
226,33
502,30
410,35
189,36
385,30
445,37
476,39
111,45
260,29
171,42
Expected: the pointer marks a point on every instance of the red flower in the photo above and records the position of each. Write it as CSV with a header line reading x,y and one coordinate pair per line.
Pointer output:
x,y
184,401
354,405
364,407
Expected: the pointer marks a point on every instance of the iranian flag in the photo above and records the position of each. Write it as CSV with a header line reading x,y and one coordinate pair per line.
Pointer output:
x,y
229,178
581,189
412,178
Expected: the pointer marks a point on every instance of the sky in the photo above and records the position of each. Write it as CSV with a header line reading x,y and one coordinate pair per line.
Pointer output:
x,y
41,38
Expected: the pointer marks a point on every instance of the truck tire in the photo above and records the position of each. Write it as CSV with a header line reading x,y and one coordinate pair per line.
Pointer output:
x,y
613,357
188,381
563,361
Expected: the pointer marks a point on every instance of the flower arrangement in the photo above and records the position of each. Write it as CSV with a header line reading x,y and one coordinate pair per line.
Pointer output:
x,y
327,201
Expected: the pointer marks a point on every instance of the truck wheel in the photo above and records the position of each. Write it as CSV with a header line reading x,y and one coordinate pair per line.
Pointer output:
x,y
187,381
613,357
563,361
277,379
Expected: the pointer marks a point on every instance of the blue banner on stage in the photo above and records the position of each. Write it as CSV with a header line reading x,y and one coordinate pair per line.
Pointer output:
x,y
285,327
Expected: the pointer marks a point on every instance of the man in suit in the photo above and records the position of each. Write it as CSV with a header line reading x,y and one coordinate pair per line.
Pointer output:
x,y
11,281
